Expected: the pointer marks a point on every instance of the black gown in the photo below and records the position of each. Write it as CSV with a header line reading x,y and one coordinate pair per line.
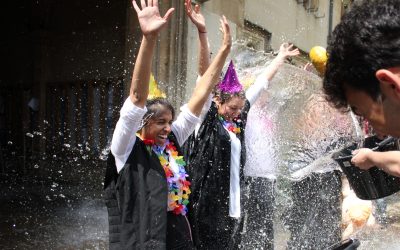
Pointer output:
x,y
136,199
208,157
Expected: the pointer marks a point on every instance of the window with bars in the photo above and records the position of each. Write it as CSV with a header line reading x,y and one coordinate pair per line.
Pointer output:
x,y
82,115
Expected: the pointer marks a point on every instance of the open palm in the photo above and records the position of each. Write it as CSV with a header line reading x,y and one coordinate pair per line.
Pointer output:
x,y
287,50
149,17
196,16
226,31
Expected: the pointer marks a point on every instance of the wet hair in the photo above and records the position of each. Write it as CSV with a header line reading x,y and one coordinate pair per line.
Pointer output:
x,y
225,97
366,40
154,109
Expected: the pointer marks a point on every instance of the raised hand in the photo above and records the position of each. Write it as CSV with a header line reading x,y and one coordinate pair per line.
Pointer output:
x,y
226,31
286,50
196,16
149,17
211,76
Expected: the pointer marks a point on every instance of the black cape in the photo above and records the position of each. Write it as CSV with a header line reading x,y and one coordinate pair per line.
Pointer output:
x,y
136,199
208,157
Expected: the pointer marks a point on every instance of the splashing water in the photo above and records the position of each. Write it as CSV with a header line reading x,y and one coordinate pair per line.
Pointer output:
x,y
290,126
291,135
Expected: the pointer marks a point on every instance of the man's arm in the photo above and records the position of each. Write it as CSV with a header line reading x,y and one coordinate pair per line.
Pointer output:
x,y
388,161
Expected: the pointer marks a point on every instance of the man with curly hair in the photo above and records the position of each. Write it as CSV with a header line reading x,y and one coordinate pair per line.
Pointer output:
x,y
363,74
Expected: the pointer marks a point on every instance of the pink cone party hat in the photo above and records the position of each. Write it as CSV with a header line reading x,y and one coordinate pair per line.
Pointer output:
x,y
230,83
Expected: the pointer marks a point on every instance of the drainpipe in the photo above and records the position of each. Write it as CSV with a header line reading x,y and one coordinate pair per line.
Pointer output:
x,y
330,18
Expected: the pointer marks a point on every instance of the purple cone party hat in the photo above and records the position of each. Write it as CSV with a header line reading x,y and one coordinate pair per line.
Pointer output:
x,y
230,83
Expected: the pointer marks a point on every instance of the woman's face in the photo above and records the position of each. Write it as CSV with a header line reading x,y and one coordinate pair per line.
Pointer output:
x,y
231,108
158,128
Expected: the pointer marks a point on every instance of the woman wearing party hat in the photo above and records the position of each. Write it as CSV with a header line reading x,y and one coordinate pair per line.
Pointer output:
x,y
146,185
217,156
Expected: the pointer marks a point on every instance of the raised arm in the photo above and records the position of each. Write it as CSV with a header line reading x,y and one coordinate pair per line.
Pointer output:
x,y
269,72
133,109
286,50
211,76
198,20
151,24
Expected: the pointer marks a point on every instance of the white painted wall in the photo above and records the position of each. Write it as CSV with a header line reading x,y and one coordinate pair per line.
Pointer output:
x,y
288,21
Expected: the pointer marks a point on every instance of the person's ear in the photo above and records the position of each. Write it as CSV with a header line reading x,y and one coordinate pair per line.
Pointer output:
x,y
389,80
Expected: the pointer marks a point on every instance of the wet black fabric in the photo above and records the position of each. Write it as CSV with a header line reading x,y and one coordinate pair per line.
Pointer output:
x,y
140,193
110,196
258,231
208,156
179,236
315,215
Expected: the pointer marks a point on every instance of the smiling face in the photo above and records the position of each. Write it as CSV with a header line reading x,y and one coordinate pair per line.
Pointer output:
x,y
231,108
384,113
158,127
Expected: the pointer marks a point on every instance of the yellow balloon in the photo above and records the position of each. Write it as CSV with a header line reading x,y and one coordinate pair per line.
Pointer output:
x,y
319,58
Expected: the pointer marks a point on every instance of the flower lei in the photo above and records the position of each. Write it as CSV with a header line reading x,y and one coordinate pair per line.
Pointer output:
x,y
230,125
178,186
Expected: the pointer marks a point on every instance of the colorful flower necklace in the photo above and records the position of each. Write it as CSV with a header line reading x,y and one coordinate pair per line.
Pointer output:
x,y
230,125
178,186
